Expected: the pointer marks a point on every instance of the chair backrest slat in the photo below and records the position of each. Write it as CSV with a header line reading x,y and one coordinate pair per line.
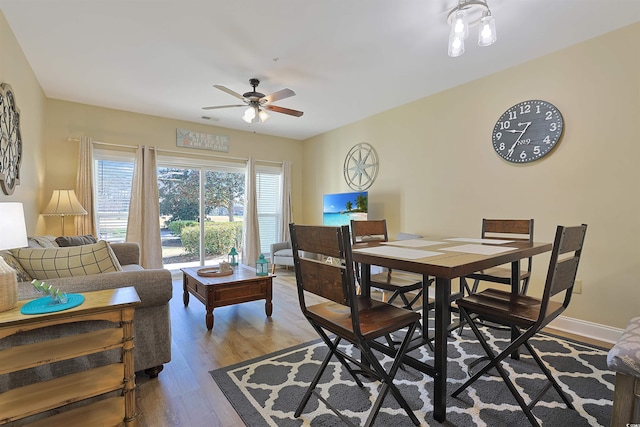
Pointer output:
x,y
515,229
318,240
324,279
563,266
323,269
564,275
369,231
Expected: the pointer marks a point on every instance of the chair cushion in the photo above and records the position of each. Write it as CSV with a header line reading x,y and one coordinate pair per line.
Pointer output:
x,y
51,263
624,357
284,252
65,241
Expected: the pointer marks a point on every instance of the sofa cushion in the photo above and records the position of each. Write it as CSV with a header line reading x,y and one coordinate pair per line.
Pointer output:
x,y
51,263
65,241
21,275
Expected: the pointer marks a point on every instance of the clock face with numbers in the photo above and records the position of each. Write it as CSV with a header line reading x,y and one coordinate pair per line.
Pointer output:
x,y
527,131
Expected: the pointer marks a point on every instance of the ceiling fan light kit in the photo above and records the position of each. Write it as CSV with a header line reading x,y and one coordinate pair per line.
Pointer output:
x,y
258,103
467,14
254,114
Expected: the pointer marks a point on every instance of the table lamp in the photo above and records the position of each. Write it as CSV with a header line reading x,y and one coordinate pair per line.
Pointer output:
x,y
64,202
13,234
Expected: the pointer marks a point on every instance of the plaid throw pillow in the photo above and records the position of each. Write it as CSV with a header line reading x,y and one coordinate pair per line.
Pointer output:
x,y
51,263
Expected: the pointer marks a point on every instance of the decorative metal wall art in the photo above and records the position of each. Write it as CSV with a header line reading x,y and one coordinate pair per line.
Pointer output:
x,y
361,166
10,140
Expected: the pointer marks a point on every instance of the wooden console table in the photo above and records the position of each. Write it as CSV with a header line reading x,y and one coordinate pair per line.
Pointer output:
x,y
241,286
114,305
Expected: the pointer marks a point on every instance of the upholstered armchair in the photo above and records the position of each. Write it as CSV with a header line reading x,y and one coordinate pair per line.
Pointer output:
x,y
281,254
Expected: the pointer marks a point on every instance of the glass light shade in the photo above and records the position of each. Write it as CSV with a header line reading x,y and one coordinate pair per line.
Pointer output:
x,y
456,46
460,24
487,33
263,116
13,231
249,115
262,266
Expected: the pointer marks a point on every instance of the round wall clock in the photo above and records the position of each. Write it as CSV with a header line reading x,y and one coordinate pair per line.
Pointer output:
x,y
361,166
10,140
527,131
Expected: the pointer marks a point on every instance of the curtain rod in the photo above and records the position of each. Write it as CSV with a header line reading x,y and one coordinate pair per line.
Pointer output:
x,y
162,150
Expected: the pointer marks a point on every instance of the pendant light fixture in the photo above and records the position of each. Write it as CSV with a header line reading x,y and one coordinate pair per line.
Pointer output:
x,y
467,14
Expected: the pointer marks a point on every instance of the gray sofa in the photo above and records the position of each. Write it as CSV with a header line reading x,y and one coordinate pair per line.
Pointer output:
x,y
152,326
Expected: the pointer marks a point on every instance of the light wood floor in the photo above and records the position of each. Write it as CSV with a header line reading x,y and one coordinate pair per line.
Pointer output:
x,y
184,394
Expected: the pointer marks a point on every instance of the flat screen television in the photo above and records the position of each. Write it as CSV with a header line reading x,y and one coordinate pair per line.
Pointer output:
x,y
341,208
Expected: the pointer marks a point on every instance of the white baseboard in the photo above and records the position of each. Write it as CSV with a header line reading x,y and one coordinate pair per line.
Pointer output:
x,y
587,329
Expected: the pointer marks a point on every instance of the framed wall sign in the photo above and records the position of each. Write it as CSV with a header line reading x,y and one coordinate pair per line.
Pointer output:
x,y
203,141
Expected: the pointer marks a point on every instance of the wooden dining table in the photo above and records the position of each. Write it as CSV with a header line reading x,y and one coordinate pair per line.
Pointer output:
x,y
445,259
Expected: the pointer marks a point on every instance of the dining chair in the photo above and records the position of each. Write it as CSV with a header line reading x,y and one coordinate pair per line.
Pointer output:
x,y
407,286
326,270
399,283
528,315
504,229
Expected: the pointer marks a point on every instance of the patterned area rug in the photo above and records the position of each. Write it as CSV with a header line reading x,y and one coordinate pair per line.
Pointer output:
x,y
266,391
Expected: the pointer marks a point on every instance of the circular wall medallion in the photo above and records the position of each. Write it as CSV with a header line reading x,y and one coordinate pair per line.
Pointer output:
x,y
10,140
361,166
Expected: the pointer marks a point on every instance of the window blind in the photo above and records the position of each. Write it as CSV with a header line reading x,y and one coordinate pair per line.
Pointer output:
x,y
268,195
113,191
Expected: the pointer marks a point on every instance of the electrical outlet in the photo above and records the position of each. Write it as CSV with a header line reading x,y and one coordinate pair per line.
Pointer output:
x,y
577,286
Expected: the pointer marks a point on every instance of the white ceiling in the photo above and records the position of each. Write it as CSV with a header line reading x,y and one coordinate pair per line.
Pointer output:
x,y
345,59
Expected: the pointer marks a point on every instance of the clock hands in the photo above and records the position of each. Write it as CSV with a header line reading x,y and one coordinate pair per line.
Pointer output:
x,y
510,152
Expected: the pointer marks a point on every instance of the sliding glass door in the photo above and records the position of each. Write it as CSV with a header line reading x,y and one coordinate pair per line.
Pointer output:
x,y
201,206
201,214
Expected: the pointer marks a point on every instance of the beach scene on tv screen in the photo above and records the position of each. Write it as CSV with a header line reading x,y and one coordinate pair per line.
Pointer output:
x,y
341,208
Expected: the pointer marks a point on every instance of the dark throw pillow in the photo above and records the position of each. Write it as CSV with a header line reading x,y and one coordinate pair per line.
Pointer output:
x,y
87,239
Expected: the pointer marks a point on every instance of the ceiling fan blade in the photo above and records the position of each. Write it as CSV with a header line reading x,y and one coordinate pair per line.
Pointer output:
x,y
283,110
223,106
229,91
281,94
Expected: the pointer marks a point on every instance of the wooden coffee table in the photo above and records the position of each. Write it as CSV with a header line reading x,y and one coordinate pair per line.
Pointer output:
x,y
241,286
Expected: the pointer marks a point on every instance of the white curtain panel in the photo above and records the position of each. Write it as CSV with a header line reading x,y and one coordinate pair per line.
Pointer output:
x,y
85,224
286,208
251,234
143,225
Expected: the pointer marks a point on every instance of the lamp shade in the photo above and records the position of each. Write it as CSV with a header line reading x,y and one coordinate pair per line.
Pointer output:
x,y
13,231
64,202
13,234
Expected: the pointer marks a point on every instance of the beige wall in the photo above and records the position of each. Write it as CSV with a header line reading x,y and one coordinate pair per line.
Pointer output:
x,y
440,175
66,120
16,71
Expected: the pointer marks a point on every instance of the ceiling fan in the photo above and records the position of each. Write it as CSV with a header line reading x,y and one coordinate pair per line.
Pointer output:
x,y
258,102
